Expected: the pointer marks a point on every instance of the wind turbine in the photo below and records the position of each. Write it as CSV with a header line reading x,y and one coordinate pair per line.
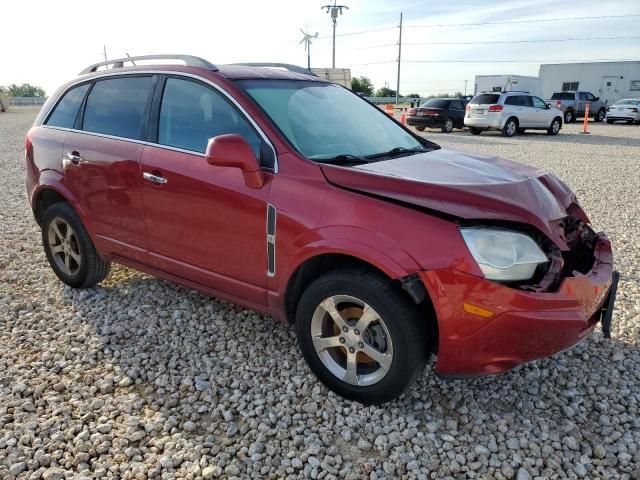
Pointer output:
x,y
307,45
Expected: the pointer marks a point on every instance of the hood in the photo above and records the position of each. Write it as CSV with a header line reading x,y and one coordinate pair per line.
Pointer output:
x,y
466,186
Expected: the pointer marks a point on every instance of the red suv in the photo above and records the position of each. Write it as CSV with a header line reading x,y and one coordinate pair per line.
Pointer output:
x,y
270,187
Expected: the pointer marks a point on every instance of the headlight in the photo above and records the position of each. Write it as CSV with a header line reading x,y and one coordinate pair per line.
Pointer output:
x,y
503,255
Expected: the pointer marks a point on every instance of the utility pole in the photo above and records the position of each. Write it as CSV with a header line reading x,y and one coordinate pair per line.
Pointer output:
x,y
334,10
399,55
104,49
465,88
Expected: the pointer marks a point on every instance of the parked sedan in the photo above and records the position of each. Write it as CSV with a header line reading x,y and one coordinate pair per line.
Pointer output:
x,y
626,110
443,113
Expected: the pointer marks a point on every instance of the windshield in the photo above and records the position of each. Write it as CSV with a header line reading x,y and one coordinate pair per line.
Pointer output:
x,y
628,102
324,120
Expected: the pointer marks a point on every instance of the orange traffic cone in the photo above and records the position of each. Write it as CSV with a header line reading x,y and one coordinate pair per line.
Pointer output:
x,y
585,125
403,117
389,109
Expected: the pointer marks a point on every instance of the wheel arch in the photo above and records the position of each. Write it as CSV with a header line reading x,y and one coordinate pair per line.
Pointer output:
x,y
316,265
51,191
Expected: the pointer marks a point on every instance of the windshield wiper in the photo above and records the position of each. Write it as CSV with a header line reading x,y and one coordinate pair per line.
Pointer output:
x,y
342,158
397,150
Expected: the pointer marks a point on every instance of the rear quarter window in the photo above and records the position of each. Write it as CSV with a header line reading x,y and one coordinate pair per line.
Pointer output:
x,y
116,106
485,99
65,112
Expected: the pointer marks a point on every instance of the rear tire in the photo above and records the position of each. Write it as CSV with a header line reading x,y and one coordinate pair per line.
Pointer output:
x,y
569,117
336,344
554,128
69,248
448,126
420,129
475,131
510,127
598,117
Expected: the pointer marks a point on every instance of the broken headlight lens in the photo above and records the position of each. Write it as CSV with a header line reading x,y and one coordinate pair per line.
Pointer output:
x,y
503,255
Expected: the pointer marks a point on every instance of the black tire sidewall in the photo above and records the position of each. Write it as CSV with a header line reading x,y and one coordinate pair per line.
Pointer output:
x,y
66,213
408,359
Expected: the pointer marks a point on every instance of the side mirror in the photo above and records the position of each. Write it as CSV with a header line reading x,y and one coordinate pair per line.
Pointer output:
x,y
232,150
548,106
596,99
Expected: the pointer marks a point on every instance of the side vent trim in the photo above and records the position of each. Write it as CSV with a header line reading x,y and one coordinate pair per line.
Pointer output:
x,y
271,240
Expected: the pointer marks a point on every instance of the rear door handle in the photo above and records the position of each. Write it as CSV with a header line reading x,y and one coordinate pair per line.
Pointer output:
x,y
157,179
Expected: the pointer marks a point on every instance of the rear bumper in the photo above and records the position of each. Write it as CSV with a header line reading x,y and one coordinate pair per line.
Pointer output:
x,y
623,116
420,121
483,122
524,326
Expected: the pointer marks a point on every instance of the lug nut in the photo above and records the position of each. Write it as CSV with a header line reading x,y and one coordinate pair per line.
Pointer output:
x,y
360,345
356,331
345,329
342,340
352,350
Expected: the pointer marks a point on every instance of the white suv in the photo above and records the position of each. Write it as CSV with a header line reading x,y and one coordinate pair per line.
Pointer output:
x,y
511,112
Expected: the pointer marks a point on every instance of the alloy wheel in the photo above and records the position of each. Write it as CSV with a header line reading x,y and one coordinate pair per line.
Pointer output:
x,y
351,340
555,127
64,247
511,128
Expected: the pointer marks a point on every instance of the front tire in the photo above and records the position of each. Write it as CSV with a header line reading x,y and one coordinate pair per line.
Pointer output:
x,y
475,131
609,121
420,129
555,126
510,127
69,248
360,335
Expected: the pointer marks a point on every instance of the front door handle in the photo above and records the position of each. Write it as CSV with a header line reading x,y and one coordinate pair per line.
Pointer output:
x,y
75,158
157,179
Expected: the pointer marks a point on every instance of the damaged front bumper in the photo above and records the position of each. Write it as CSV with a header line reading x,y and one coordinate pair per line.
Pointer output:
x,y
486,328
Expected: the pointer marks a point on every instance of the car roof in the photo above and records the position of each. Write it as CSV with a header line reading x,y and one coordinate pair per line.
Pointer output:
x,y
238,72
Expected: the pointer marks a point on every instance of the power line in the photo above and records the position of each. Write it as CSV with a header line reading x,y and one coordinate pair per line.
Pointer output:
x,y
522,41
564,19
506,22
583,60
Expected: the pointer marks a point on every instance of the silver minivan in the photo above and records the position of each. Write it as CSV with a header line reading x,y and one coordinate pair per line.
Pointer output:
x,y
511,112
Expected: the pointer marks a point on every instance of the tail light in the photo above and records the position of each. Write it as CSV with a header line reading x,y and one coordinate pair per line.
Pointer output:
x,y
495,108
634,110
411,111
558,103
468,108
28,148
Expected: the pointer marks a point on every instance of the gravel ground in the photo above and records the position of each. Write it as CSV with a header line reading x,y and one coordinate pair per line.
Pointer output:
x,y
139,378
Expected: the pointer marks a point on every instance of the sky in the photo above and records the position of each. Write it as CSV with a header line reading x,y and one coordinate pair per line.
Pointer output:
x,y
51,45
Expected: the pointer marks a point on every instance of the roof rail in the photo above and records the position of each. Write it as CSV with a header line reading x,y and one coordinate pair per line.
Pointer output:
x,y
286,66
188,60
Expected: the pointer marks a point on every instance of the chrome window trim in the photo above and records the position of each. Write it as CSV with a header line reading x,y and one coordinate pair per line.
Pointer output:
x,y
167,147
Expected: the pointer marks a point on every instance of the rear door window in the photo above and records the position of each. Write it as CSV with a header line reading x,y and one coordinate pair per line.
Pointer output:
x,y
191,113
116,106
65,113
485,99
457,105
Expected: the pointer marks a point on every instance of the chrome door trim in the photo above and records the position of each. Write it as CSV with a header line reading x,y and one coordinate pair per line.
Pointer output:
x,y
168,73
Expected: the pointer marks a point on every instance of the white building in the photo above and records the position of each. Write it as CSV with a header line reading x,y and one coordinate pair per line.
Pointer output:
x,y
610,81
505,83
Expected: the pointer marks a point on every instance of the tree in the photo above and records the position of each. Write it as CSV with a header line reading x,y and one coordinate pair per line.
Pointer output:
x,y
385,92
25,90
362,85
414,95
